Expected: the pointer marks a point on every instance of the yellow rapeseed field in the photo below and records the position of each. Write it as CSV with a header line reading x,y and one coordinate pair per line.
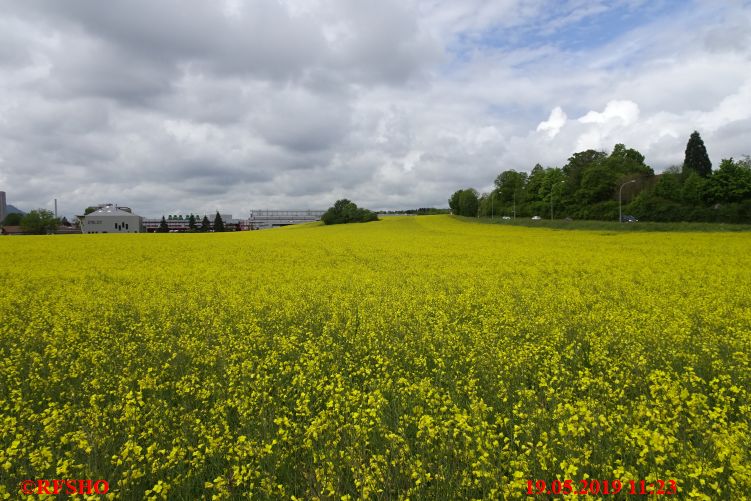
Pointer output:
x,y
415,357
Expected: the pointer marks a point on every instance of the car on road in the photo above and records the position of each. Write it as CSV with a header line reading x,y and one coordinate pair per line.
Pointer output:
x,y
536,218
506,217
629,219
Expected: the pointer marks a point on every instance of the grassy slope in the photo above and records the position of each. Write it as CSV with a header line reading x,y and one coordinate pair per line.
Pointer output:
x,y
561,224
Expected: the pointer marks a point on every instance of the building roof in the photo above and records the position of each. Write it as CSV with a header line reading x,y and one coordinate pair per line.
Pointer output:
x,y
12,230
110,210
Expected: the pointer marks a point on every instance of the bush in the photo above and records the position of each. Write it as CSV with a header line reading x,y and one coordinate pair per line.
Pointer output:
x,y
345,211
39,222
605,211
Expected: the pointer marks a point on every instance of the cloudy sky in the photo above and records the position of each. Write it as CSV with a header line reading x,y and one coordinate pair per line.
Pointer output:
x,y
174,106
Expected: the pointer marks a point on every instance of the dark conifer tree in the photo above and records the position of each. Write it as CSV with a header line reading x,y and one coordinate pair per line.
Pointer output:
x,y
696,159
205,224
218,223
163,228
192,223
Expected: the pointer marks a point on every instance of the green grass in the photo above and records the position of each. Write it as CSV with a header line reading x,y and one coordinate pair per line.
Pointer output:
x,y
561,224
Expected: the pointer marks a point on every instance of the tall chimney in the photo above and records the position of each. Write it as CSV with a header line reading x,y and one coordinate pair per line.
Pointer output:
x,y
3,207
56,208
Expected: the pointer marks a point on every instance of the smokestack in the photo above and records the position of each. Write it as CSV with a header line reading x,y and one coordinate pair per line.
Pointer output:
x,y
3,207
56,208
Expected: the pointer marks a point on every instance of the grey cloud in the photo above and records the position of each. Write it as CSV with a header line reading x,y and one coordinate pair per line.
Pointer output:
x,y
301,121
180,106
734,37
264,39
94,69
14,47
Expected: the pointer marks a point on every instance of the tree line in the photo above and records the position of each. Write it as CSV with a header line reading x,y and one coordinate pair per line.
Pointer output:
x,y
591,183
193,225
36,222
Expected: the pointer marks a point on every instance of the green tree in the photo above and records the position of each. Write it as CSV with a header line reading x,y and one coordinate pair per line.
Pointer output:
x,y
534,191
454,201
627,163
205,224
696,159
163,228
509,185
599,175
576,166
12,219
669,184
694,189
465,202
40,222
218,223
553,183
731,182
192,222
597,185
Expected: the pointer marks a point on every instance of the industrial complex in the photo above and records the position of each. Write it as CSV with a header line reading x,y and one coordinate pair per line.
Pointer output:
x,y
113,218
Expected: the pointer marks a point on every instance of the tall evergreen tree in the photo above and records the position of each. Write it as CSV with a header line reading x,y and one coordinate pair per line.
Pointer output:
x,y
218,223
696,159
205,224
163,228
192,223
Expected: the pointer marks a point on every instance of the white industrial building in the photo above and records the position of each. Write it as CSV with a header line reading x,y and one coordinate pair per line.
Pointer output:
x,y
262,219
112,219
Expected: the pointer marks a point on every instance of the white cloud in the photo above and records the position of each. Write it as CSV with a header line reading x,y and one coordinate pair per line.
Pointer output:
x,y
624,113
556,120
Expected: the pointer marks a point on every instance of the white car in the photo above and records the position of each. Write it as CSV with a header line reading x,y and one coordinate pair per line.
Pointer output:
x,y
506,217
536,218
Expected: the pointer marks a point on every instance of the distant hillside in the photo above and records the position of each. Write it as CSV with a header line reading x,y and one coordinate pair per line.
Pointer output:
x,y
13,210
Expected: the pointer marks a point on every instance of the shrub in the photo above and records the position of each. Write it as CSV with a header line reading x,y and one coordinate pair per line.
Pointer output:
x,y
345,211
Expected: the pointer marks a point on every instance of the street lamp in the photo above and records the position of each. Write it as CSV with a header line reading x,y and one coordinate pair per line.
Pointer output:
x,y
620,197
551,197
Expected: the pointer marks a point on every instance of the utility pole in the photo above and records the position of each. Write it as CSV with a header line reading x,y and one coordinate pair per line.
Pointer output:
x,y
551,197
620,197
551,202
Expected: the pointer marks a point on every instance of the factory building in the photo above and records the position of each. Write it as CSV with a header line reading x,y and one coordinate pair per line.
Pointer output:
x,y
109,218
263,219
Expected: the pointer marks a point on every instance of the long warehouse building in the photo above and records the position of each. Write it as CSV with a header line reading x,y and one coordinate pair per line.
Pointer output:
x,y
263,219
